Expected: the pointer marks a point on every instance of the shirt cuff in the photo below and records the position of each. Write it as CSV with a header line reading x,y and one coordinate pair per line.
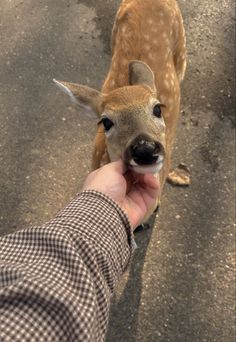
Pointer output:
x,y
100,221
123,216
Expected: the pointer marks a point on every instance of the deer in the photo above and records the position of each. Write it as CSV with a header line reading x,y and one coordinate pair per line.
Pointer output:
x,y
139,104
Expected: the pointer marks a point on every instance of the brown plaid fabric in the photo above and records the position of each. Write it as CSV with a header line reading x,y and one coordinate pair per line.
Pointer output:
x,y
56,280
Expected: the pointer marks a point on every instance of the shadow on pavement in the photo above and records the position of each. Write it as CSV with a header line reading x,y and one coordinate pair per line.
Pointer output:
x,y
127,306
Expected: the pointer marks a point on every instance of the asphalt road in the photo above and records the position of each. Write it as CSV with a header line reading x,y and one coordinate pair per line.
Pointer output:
x,y
180,286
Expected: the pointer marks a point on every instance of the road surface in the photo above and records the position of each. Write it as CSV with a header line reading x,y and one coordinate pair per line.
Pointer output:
x,y
180,286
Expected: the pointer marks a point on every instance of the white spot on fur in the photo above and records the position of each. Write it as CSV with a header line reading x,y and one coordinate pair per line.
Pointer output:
x,y
166,83
146,36
150,56
146,47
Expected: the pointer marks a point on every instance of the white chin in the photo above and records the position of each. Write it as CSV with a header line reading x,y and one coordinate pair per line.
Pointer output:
x,y
147,169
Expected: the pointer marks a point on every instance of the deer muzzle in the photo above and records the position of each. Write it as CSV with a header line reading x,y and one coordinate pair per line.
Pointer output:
x,y
145,155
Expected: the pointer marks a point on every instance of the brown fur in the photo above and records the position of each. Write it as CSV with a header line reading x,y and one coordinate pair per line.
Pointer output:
x,y
151,34
151,31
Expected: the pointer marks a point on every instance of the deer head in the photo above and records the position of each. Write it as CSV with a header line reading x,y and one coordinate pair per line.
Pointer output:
x,y
130,117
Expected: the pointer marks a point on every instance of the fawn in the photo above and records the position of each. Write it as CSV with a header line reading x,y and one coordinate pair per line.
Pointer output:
x,y
139,104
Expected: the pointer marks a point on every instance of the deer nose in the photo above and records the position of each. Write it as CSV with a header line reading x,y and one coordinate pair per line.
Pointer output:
x,y
146,152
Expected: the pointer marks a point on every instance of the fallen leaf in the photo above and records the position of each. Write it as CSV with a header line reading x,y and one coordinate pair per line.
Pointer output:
x,y
179,176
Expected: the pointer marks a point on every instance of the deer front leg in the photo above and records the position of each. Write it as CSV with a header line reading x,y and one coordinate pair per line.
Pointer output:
x,y
100,155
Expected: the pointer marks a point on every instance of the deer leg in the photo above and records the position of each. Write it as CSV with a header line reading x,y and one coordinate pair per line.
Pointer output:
x,y
99,149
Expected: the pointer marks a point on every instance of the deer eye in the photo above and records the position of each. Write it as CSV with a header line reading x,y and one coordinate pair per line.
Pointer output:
x,y
157,110
107,123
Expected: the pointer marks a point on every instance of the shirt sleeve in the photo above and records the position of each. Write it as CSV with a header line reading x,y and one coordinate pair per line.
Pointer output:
x,y
56,280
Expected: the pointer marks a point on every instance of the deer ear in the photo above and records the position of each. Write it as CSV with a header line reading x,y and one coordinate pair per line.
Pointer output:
x,y
86,97
141,74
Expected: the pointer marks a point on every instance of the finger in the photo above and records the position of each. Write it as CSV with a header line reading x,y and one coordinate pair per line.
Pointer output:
x,y
150,186
117,166
151,181
147,179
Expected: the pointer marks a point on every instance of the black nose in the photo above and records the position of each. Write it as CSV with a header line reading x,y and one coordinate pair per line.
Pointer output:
x,y
145,152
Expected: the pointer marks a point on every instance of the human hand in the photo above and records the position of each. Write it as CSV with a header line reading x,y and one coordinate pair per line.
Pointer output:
x,y
135,199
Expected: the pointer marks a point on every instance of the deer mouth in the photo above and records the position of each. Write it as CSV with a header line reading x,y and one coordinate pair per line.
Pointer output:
x,y
144,155
150,168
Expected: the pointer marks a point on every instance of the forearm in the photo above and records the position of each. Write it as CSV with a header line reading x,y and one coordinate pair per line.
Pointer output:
x,y
57,279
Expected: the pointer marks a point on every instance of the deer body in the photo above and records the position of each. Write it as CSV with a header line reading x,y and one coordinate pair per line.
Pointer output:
x,y
151,31
139,103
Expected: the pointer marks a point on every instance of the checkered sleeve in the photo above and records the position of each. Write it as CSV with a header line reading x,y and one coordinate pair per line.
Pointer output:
x,y
56,280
